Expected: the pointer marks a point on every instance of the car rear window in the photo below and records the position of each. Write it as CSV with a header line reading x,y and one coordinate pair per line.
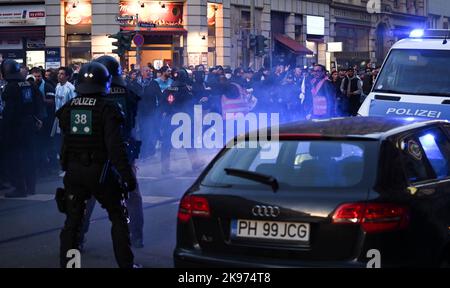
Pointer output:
x,y
315,164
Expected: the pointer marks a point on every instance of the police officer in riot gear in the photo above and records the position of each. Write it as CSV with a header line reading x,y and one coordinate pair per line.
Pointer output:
x,y
177,98
22,116
128,101
95,159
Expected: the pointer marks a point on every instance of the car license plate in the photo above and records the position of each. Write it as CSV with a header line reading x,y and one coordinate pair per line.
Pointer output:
x,y
270,230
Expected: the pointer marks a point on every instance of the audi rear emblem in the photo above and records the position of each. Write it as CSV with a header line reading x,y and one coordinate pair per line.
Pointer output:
x,y
265,211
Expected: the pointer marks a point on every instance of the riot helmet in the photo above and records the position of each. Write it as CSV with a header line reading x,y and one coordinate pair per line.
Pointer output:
x,y
93,78
182,76
114,69
11,70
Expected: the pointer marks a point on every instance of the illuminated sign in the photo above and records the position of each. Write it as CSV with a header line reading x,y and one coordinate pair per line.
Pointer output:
x,y
334,46
212,9
78,13
315,25
162,14
22,15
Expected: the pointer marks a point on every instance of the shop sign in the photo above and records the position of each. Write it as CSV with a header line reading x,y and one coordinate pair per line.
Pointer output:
x,y
79,13
162,14
315,25
14,54
35,43
9,44
22,15
52,58
334,46
353,15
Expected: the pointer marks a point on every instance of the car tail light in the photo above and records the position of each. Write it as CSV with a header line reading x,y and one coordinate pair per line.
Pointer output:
x,y
193,206
373,217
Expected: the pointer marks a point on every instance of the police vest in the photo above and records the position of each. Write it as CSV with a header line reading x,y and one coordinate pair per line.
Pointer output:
x,y
119,95
20,99
127,101
81,120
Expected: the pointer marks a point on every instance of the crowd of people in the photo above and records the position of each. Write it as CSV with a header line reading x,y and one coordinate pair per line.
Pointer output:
x,y
295,93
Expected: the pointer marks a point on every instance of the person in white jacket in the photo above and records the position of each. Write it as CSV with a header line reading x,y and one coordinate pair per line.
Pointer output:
x,y
64,92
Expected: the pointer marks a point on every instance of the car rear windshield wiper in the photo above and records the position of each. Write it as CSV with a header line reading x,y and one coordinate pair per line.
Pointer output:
x,y
258,177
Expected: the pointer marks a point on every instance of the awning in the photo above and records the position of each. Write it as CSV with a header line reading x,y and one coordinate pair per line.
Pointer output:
x,y
292,45
22,32
160,31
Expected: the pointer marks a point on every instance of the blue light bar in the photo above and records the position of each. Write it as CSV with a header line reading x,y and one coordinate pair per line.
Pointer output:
x,y
416,33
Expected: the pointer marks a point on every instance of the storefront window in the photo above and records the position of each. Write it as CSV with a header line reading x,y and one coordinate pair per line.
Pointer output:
x,y
78,49
353,38
35,59
311,59
212,9
78,21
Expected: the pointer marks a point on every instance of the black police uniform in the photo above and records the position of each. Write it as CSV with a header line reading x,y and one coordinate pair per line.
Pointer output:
x,y
177,98
92,138
22,114
128,102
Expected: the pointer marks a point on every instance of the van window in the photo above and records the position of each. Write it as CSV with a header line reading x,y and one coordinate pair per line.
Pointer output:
x,y
415,71
437,150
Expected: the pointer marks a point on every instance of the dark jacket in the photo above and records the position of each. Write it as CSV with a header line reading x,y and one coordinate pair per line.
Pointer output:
x,y
151,99
328,91
177,98
367,84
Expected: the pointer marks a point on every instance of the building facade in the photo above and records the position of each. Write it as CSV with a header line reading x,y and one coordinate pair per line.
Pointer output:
x,y
296,30
367,29
22,31
438,14
191,32
213,32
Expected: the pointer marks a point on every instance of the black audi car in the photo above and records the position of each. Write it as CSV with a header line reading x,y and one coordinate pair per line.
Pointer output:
x,y
334,193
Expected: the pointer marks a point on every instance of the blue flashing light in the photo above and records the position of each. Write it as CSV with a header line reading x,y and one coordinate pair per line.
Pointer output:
x,y
427,141
416,33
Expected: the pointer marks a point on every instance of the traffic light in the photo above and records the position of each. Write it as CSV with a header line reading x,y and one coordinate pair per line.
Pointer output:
x,y
116,44
127,38
261,45
123,42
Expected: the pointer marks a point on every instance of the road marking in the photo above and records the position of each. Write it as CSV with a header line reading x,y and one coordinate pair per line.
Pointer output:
x,y
49,197
35,197
147,178
168,177
155,199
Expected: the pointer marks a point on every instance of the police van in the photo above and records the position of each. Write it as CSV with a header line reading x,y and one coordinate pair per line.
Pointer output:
x,y
414,81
